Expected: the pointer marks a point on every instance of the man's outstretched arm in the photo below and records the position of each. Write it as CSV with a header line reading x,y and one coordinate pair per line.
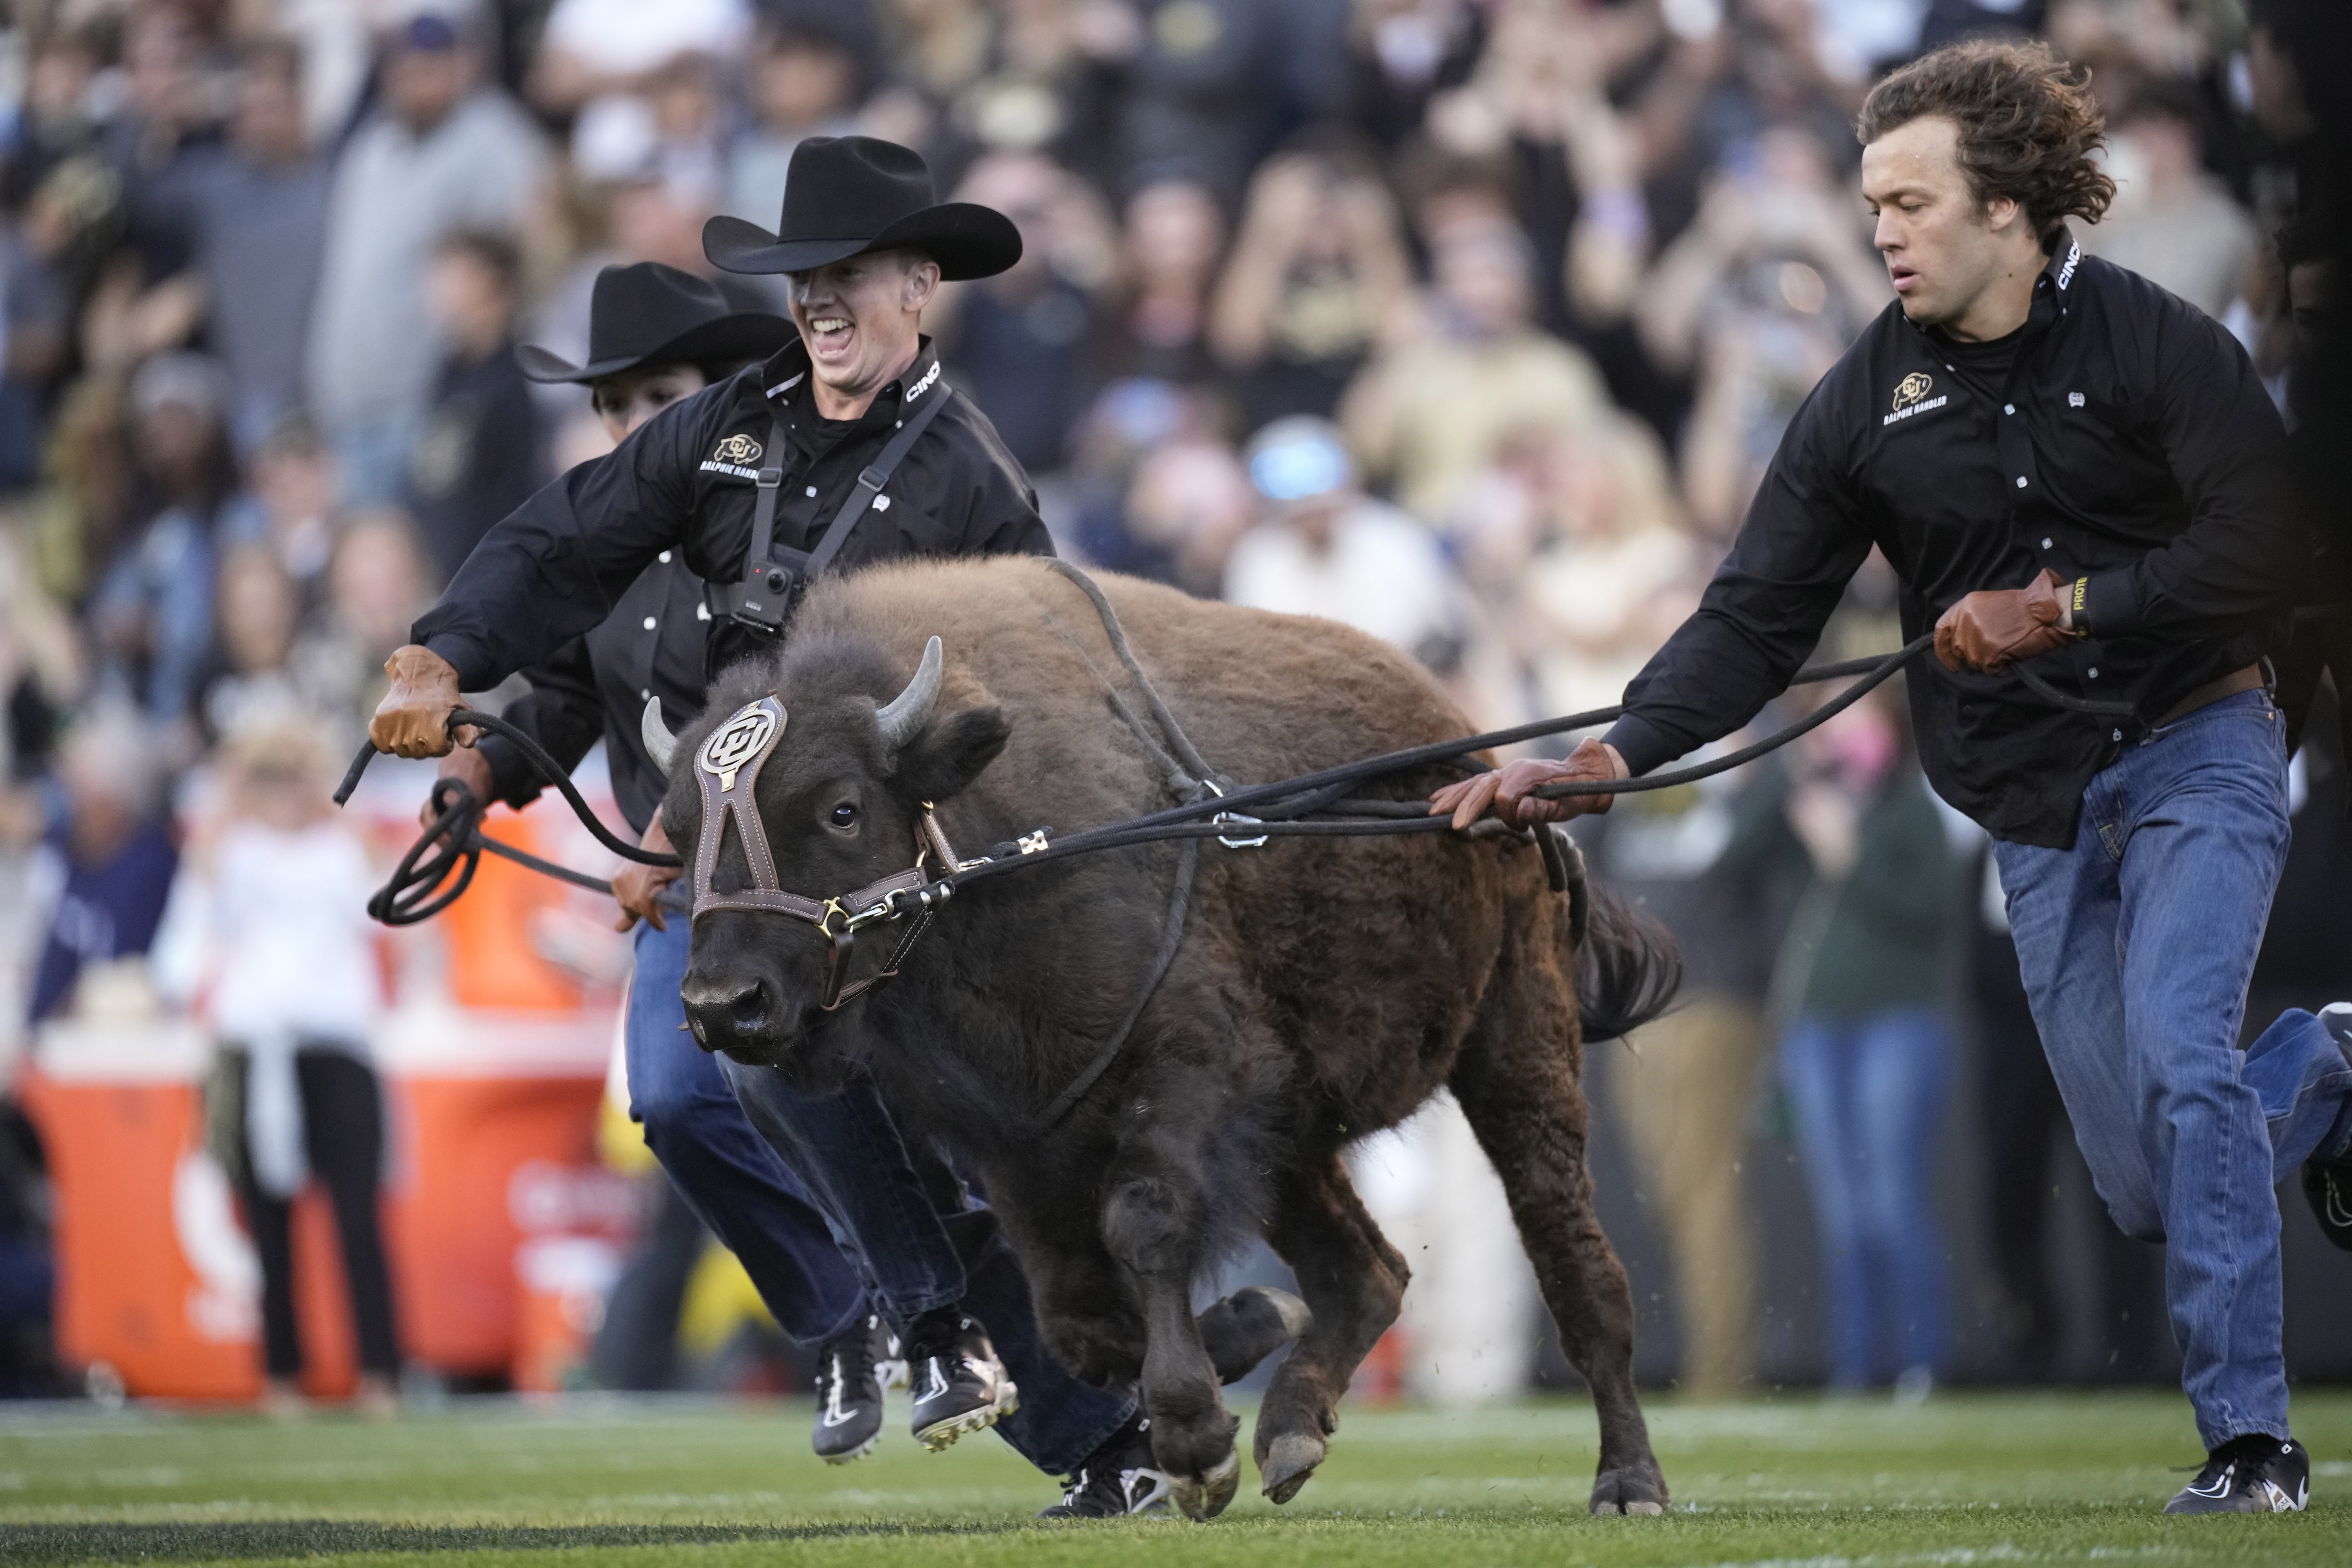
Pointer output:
x,y
1759,619
548,574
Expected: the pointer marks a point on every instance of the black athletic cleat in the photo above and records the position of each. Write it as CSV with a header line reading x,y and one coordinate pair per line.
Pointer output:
x,y
2254,1474
852,1369
959,1384
1117,1479
2328,1183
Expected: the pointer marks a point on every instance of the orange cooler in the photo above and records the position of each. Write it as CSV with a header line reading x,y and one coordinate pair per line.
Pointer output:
x,y
493,1066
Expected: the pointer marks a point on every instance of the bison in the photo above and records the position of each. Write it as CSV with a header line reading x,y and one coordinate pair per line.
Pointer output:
x,y
1323,988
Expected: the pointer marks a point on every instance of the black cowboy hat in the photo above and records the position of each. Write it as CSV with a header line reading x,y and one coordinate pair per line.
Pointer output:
x,y
846,196
649,314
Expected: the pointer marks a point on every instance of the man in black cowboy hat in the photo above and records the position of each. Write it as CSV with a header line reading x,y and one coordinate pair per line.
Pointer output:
x,y
864,249
656,336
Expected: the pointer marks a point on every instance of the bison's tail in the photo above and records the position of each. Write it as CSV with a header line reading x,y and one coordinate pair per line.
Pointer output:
x,y
1627,968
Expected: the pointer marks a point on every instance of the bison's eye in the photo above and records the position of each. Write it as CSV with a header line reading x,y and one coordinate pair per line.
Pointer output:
x,y
845,815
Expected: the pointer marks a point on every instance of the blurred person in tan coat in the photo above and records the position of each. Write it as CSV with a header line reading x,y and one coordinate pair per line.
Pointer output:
x,y
1428,417
2173,221
1576,540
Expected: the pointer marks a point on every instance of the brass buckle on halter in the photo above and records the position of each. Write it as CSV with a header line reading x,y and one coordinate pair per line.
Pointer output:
x,y
824,921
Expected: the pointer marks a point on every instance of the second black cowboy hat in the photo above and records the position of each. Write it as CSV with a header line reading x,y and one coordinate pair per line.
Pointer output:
x,y
649,314
847,196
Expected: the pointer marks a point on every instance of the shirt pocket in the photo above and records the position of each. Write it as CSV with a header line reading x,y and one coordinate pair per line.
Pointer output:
x,y
2112,470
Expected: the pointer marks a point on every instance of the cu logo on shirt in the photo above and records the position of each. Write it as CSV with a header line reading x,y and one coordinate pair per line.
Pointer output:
x,y
1909,391
738,449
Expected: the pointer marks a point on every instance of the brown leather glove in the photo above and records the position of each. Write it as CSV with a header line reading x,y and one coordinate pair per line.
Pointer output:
x,y
412,720
1992,627
637,887
1506,790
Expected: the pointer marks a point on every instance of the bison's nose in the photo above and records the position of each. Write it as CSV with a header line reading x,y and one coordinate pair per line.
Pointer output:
x,y
727,1011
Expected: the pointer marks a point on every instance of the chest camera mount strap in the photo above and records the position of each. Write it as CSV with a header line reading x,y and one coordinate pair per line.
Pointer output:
x,y
773,580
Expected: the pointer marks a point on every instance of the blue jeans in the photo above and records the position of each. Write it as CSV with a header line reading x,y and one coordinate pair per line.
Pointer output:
x,y
734,1182
2136,946
1866,1092
920,1243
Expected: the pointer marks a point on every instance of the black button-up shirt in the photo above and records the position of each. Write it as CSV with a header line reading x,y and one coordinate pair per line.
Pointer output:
x,y
2129,442
684,483
613,548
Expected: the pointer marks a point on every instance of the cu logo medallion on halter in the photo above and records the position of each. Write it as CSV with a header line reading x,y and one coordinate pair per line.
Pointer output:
x,y
740,739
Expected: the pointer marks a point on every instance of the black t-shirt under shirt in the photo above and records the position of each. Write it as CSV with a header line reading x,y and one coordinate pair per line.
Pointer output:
x,y
1984,364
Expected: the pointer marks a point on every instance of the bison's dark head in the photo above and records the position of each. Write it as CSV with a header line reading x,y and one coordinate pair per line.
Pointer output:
x,y
841,798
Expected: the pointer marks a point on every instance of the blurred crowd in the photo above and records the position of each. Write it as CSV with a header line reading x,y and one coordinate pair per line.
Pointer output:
x,y
1472,322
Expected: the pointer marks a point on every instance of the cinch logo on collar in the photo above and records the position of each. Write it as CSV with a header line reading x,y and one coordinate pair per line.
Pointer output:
x,y
923,385
2074,253
1911,397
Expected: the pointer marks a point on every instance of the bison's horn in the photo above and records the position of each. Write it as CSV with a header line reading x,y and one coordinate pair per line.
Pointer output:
x,y
911,708
659,741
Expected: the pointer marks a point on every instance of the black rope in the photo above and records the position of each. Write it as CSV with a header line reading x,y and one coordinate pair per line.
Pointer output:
x,y
1278,805
505,851
1186,821
548,768
452,843
1172,926
1676,777
1182,743
2104,708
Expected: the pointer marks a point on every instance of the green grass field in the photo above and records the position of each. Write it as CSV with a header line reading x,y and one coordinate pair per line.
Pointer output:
x,y
1963,1478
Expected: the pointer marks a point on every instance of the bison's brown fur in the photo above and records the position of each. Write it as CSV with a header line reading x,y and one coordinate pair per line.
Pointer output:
x,y
1324,991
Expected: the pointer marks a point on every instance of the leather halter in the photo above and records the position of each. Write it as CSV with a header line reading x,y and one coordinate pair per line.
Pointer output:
x,y
727,768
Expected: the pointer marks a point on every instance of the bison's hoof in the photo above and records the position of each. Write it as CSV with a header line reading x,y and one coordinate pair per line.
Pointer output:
x,y
1290,1463
1205,1497
1248,1326
1629,1492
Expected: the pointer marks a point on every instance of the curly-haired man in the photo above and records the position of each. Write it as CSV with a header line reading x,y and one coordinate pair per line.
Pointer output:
x,y
2078,476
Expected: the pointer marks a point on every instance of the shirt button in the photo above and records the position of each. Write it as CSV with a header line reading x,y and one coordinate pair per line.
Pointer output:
x,y
2009,409
811,489
646,693
2119,734
2021,481
2045,544
663,558
2094,672
649,622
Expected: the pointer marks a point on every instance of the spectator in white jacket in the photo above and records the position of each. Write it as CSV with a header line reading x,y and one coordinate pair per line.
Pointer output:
x,y
267,934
